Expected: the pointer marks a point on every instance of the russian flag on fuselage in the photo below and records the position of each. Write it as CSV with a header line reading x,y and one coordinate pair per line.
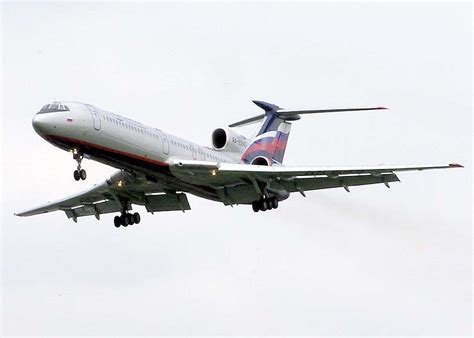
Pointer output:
x,y
270,141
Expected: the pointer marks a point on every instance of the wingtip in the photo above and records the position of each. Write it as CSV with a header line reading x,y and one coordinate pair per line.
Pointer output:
x,y
456,165
381,107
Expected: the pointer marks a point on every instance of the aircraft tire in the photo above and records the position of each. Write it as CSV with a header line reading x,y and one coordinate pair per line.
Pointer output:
x,y
82,174
136,218
124,220
255,206
131,220
274,202
77,175
117,221
263,205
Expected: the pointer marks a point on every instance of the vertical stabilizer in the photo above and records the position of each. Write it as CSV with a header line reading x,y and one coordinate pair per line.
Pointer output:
x,y
268,146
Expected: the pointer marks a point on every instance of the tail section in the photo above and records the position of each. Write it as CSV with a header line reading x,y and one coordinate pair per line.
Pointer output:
x,y
269,145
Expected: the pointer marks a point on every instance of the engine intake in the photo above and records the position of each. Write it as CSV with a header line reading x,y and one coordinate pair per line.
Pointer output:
x,y
228,140
219,138
260,161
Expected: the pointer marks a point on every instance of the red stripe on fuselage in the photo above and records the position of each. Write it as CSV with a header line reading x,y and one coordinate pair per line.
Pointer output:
x,y
266,146
119,152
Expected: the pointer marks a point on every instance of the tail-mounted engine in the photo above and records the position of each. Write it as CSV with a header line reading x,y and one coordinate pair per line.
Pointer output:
x,y
228,140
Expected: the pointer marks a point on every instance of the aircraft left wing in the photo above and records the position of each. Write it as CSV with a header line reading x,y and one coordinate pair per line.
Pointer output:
x,y
281,171
239,183
116,193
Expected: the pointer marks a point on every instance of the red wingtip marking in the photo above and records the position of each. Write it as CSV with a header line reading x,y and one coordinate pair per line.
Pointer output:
x,y
456,165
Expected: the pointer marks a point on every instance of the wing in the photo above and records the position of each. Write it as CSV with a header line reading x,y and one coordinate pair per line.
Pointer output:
x,y
118,192
241,183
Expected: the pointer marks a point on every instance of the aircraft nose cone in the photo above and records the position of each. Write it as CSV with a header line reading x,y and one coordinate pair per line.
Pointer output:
x,y
39,124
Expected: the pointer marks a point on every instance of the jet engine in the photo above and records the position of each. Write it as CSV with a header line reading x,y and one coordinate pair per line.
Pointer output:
x,y
224,139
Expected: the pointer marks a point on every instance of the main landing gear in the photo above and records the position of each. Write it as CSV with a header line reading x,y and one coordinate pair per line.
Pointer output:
x,y
79,174
126,219
265,204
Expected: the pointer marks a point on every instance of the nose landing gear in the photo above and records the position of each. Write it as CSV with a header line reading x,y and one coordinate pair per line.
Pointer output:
x,y
79,174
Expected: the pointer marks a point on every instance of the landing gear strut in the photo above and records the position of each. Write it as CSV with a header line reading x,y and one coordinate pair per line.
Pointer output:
x,y
265,204
126,219
79,174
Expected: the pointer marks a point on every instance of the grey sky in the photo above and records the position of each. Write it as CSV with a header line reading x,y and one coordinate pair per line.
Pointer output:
x,y
372,262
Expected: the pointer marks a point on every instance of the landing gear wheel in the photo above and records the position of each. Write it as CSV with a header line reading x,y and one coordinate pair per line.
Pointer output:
x,y
124,220
255,206
136,218
130,219
77,175
117,221
274,203
263,205
82,174
269,204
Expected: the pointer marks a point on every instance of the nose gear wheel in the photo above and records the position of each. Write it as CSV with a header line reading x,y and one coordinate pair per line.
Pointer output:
x,y
79,174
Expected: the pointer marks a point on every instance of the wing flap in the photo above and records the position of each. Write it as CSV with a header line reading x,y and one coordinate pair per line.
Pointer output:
x,y
104,207
316,183
167,202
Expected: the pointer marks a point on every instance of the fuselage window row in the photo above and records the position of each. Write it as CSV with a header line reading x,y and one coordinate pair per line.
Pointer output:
x,y
156,136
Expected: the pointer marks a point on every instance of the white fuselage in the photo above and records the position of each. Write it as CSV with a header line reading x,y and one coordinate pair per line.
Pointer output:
x,y
86,126
126,144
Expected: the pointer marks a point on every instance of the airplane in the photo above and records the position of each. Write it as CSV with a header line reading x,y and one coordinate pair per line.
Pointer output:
x,y
157,169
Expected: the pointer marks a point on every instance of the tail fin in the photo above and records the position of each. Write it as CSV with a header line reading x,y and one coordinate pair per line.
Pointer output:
x,y
269,145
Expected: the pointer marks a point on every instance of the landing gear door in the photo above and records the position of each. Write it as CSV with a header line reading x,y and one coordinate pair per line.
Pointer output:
x,y
95,116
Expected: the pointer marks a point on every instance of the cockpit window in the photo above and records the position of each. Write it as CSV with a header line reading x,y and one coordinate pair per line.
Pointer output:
x,y
53,107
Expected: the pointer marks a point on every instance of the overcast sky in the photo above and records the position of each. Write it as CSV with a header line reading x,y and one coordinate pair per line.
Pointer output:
x,y
376,261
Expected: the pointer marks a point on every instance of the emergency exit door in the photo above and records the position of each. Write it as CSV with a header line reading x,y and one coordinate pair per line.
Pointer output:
x,y
95,116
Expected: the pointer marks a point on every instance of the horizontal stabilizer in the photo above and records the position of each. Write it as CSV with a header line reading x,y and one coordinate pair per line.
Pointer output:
x,y
285,112
292,114
248,121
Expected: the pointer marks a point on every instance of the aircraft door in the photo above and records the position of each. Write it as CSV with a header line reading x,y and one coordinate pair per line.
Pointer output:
x,y
166,144
95,117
